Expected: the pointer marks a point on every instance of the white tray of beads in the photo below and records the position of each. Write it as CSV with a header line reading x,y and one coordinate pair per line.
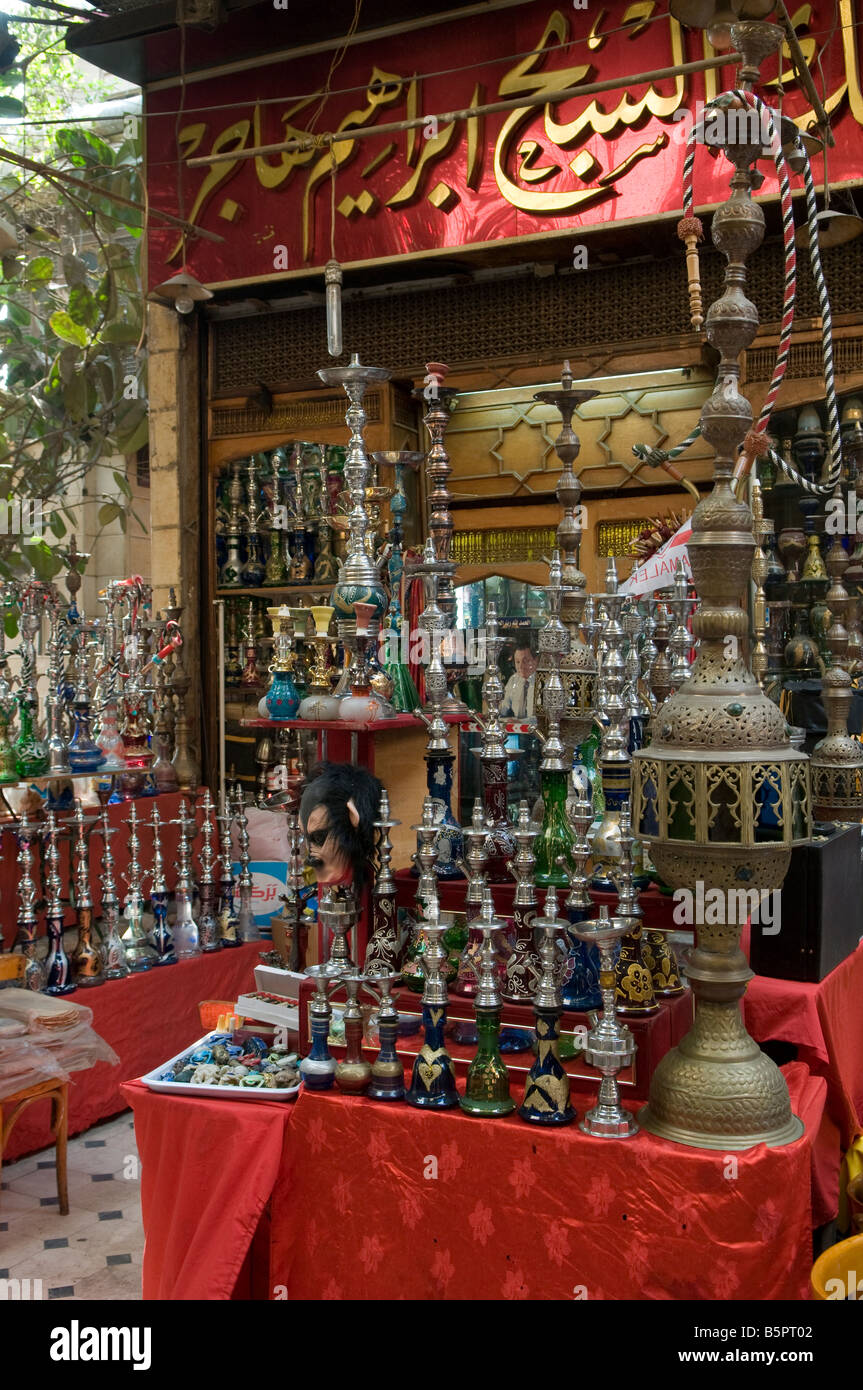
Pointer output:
x,y
160,1078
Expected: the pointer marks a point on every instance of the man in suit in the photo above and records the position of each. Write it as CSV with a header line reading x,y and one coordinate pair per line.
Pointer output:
x,y
518,694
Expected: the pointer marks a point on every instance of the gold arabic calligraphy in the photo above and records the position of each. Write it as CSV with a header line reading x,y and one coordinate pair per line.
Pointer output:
x,y
521,163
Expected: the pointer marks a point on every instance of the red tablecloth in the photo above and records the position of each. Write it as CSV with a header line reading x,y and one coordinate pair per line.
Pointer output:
x,y
379,1201
146,1018
825,1022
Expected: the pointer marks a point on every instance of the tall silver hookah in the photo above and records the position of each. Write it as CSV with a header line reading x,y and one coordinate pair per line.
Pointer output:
x,y
139,953
113,950
34,968
162,936
186,942
31,600
359,577
108,690
57,745
229,933
637,708
208,924
247,927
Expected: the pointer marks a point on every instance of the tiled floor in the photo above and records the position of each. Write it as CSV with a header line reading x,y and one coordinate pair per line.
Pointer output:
x,y
95,1251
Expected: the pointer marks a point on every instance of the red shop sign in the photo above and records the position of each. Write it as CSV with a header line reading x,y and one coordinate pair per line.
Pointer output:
x,y
507,176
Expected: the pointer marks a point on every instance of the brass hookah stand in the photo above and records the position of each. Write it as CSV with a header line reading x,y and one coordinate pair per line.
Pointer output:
x,y
546,1092
700,797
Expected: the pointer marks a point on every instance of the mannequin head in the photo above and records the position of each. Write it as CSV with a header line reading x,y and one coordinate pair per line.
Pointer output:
x,y
337,812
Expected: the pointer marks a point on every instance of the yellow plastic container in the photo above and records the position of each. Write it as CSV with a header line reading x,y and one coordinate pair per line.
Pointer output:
x,y
838,1273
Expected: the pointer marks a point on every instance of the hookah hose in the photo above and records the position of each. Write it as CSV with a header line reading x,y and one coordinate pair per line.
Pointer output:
x,y
756,442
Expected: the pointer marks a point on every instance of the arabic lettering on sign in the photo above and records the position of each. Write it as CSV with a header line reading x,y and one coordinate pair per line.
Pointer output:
x,y
484,177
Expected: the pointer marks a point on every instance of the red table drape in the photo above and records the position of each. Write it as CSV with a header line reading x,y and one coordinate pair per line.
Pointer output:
x,y
146,1018
368,1200
825,1022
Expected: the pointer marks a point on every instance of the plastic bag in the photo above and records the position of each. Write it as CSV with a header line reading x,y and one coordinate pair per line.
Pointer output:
x,y
22,1065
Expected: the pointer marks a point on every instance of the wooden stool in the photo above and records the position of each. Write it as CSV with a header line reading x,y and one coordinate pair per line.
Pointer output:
x,y
12,1106
12,968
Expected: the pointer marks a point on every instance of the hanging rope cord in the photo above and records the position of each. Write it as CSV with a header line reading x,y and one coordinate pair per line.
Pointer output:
x,y
756,442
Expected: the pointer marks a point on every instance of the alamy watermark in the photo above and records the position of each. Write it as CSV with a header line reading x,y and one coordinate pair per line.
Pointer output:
x,y
727,907
19,518
721,125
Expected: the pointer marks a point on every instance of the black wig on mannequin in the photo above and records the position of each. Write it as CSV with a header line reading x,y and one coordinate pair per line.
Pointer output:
x,y
340,787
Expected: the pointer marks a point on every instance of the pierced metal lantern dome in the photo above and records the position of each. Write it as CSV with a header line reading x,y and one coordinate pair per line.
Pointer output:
x,y
720,796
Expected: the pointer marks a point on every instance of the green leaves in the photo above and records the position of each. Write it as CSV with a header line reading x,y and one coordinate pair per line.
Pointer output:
x,y
67,329
132,429
83,308
11,106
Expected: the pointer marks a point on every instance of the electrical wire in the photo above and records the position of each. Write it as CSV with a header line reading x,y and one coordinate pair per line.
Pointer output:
x,y
440,72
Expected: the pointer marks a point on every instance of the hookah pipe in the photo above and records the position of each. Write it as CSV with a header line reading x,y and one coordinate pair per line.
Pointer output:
x,y
173,643
689,230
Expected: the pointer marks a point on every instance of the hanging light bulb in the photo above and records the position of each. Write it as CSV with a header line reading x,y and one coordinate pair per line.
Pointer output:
x,y
183,291
333,281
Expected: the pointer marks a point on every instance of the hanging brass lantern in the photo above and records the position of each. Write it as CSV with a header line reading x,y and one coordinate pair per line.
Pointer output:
x,y
720,796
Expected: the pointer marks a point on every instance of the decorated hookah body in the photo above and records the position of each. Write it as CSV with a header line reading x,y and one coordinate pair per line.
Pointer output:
x,y
113,951
208,925
353,1073
494,758
546,1092
523,964
87,958
477,850
58,970
487,1091
161,935
229,933
139,953
433,1078
580,983
25,941
282,700
318,1069
85,755
382,952
388,1073
186,942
